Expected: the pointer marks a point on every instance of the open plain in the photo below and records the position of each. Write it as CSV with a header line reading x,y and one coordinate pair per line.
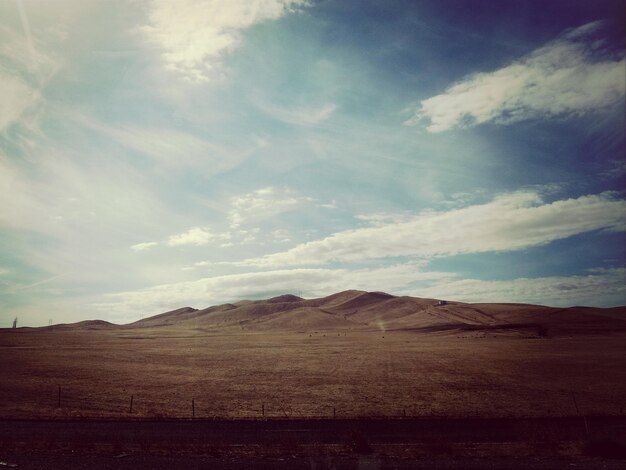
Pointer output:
x,y
354,354
351,357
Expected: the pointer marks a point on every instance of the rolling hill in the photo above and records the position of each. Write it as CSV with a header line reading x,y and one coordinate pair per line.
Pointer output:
x,y
359,310
362,353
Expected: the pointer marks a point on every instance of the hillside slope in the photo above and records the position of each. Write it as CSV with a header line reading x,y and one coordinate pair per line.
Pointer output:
x,y
368,311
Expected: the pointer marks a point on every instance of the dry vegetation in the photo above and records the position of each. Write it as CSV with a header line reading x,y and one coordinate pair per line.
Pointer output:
x,y
357,353
304,372
350,355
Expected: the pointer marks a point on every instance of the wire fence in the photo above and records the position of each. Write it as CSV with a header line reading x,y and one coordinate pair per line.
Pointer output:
x,y
67,402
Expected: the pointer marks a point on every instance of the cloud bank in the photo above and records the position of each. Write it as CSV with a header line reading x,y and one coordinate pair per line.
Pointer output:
x,y
561,291
509,222
403,279
228,288
571,75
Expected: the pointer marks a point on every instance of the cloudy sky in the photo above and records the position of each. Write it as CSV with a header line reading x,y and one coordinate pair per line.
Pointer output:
x,y
156,154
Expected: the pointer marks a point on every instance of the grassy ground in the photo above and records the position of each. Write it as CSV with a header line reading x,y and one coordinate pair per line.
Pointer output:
x,y
232,374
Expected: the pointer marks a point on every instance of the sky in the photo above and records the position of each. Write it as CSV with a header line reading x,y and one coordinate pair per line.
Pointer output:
x,y
157,154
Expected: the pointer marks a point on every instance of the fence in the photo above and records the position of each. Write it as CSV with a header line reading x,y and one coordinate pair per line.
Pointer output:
x,y
62,401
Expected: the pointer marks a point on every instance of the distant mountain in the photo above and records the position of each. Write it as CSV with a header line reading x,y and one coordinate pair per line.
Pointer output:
x,y
87,325
362,311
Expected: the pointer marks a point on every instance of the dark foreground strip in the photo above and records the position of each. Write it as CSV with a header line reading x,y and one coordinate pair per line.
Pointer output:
x,y
377,444
328,431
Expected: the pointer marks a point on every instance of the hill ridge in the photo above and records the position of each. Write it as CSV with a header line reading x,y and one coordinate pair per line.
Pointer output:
x,y
354,310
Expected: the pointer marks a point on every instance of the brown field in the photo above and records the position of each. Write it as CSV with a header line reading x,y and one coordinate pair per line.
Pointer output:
x,y
359,354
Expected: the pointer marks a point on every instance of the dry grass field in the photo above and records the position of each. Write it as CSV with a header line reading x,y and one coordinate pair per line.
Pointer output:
x,y
384,364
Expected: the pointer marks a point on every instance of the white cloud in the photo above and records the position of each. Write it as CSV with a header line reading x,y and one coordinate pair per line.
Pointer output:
x,y
195,35
329,205
24,71
282,235
28,60
170,149
300,116
61,196
562,291
568,76
380,219
509,222
195,236
82,214
262,204
143,246
15,98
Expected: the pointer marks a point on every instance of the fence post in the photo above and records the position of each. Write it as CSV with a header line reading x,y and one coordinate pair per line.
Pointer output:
x,y
193,408
263,409
130,410
334,413
59,398
578,411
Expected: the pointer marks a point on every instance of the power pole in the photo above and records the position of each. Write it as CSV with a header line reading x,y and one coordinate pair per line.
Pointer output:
x,y
15,323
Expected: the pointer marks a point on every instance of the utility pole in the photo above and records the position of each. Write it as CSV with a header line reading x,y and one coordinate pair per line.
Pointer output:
x,y
15,323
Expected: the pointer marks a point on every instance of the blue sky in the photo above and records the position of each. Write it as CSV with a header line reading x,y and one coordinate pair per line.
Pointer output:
x,y
158,154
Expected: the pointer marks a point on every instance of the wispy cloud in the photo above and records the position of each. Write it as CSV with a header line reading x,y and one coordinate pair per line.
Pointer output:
x,y
15,98
381,219
509,222
601,284
195,236
29,60
170,149
80,217
143,246
282,235
194,36
24,71
63,196
262,204
571,75
22,287
616,169
301,116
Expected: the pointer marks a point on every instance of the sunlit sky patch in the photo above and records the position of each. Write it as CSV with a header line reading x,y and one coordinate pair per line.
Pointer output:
x,y
158,154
